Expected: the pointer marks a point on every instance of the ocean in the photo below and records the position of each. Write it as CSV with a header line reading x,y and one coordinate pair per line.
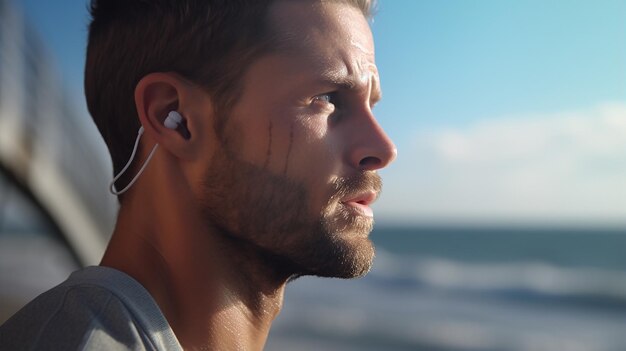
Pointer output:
x,y
459,289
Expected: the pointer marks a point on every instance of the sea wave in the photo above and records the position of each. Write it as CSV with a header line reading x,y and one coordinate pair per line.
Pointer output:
x,y
532,279
433,303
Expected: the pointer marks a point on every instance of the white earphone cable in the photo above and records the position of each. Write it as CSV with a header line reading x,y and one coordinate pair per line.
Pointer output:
x,y
132,156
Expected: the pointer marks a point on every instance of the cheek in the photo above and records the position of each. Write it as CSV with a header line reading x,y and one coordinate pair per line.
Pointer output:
x,y
289,144
295,146
314,160
310,153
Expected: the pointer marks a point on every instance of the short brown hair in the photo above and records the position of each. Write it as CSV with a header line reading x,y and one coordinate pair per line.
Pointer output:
x,y
209,42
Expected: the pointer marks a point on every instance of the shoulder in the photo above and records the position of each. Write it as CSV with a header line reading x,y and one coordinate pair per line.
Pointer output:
x,y
79,314
72,318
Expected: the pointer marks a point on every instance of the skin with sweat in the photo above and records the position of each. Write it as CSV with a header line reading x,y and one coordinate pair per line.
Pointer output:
x,y
217,224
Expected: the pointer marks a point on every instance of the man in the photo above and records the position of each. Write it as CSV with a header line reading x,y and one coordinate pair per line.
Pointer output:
x,y
265,170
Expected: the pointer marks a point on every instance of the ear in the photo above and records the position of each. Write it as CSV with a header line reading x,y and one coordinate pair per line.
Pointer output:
x,y
156,95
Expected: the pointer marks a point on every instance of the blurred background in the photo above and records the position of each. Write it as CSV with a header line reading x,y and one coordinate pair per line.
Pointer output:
x,y
502,225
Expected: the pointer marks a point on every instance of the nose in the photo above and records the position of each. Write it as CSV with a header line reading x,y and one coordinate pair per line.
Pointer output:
x,y
370,147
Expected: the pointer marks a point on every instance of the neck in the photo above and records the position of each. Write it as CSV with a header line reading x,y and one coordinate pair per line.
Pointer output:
x,y
216,292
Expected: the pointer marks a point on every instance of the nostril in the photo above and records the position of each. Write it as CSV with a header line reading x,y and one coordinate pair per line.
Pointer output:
x,y
369,162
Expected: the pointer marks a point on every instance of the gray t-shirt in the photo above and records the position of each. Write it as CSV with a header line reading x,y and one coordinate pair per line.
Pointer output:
x,y
96,308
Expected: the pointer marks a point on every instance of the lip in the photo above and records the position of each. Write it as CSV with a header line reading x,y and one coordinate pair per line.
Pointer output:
x,y
361,203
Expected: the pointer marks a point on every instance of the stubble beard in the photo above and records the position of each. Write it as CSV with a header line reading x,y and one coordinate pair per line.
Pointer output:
x,y
253,207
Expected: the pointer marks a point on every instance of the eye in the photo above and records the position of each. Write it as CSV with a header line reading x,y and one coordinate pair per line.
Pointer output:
x,y
327,98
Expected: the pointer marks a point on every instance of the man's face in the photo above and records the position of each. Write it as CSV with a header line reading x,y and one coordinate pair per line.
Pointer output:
x,y
296,173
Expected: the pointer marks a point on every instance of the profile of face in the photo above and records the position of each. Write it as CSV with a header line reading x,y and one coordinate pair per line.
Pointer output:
x,y
296,171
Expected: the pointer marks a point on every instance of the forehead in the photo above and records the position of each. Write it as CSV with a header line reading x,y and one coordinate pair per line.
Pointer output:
x,y
326,33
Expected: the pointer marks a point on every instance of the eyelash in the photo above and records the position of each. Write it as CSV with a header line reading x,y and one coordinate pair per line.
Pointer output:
x,y
332,98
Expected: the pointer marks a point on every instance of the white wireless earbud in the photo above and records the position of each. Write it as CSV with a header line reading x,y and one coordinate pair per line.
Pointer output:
x,y
172,121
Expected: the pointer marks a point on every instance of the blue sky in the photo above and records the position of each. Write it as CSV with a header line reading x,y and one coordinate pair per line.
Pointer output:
x,y
456,61
503,111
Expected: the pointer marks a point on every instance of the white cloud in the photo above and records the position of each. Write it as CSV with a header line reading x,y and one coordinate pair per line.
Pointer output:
x,y
551,168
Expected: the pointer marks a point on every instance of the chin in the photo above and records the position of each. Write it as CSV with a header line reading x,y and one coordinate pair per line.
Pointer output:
x,y
341,248
354,262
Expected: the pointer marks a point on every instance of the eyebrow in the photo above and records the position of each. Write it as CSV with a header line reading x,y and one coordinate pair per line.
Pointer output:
x,y
339,80
349,82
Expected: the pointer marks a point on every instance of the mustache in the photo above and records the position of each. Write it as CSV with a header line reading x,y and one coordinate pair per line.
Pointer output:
x,y
358,183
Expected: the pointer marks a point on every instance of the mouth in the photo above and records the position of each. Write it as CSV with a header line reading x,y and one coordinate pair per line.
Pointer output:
x,y
360,203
